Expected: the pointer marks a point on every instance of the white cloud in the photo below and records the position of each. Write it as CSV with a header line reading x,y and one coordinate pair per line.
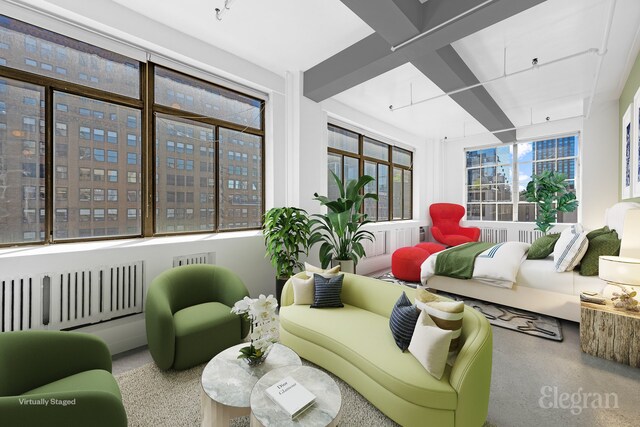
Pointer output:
x,y
524,149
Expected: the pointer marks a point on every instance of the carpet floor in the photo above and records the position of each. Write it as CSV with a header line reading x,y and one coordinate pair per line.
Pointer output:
x,y
523,321
172,398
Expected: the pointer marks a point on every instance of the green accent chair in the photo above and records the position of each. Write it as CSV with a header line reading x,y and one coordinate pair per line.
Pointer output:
x,y
69,371
188,315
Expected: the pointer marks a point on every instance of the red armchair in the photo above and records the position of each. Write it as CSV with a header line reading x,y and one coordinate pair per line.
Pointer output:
x,y
446,229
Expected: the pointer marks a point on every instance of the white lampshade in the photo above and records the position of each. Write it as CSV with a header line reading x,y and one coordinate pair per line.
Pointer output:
x,y
620,270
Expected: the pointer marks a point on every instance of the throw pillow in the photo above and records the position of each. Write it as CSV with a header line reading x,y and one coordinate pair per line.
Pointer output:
x,y
402,321
424,296
430,345
543,246
303,291
570,248
447,315
598,232
310,270
603,244
327,291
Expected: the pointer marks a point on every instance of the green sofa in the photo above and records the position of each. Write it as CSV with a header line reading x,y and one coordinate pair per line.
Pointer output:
x,y
53,378
356,344
188,315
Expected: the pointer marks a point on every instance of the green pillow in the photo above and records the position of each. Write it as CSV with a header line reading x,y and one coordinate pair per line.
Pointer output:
x,y
598,232
543,246
604,244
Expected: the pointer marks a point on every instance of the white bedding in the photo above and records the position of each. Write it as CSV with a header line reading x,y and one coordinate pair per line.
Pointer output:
x,y
497,266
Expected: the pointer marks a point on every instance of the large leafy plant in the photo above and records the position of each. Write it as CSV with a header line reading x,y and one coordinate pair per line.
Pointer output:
x,y
286,236
551,193
340,229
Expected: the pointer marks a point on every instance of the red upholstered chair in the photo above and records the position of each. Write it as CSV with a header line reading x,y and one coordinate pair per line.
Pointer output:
x,y
446,228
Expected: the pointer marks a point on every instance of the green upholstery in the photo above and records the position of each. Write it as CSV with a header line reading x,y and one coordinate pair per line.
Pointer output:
x,y
188,315
55,366
355,343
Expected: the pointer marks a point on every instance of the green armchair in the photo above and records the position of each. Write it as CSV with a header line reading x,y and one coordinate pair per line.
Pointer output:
x,y
188,315
54,378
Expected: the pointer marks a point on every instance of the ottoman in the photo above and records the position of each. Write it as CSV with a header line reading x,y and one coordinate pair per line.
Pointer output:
x,y
406,262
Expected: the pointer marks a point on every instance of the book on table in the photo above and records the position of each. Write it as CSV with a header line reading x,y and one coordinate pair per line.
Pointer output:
x,y
291,396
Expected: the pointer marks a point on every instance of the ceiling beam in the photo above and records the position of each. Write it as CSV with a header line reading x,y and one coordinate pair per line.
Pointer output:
x,y
362,61
372,56
448,71
397,21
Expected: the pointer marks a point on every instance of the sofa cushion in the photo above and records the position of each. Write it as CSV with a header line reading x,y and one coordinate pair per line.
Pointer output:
x,y
93,380
327,291
430,345
403,321
202,331
374,352
303,290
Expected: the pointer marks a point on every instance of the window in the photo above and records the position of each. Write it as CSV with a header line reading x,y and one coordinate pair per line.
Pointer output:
x,y
112,137
53,70
492,192
391,167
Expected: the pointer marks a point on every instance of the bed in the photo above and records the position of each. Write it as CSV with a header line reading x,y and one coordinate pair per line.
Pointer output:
x,y
538,287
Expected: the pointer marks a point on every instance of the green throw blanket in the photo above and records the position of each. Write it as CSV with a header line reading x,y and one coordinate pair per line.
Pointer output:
x,y
458,261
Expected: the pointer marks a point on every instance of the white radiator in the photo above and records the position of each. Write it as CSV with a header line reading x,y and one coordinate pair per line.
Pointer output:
x,y
201,258
493,235
70,299
378,246
529,236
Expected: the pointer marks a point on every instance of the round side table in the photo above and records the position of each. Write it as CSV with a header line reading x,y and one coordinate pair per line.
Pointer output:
x,y
227,382
326,410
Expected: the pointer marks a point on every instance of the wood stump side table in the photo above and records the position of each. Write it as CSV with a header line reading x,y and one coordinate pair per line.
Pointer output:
x,y
610,333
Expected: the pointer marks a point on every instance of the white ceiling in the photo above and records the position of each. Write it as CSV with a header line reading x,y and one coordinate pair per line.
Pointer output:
x,y
278,35
291,35
549,31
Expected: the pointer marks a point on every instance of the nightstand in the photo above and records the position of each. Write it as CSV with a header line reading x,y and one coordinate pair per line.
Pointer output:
x,y
610,333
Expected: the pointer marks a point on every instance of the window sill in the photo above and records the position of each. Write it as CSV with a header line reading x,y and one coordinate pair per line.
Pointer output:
x,y
69,248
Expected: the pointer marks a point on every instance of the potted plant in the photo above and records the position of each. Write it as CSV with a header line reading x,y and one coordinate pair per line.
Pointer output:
x,y
286,236
340,229
550,191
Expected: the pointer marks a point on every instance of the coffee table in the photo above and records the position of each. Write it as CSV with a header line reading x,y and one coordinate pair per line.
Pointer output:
x,y
227,382
326,411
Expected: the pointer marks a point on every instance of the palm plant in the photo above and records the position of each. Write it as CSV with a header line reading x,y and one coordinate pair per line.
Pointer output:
x,y
340,229
550,191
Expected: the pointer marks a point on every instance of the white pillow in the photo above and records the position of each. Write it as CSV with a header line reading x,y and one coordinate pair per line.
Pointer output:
x,y
430,345
570,248
310,270
303,291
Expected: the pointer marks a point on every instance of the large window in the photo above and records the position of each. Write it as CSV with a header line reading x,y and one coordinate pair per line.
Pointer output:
x,y
77,158
496,177
352,155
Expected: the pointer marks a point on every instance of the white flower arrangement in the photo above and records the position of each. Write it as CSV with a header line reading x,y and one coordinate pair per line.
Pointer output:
x,y
261,313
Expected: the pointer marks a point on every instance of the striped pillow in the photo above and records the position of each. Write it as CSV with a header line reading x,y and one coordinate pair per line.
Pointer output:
x,y
447,315
570,248
403,321
327,291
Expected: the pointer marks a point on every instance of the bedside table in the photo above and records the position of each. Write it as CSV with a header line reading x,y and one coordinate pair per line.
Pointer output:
x,y
610,333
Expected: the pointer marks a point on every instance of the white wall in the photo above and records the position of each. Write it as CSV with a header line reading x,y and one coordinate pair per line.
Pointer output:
x,y
598,160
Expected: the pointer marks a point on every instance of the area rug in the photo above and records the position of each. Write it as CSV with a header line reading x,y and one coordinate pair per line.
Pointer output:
x,y
154,398
172,398
506,317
